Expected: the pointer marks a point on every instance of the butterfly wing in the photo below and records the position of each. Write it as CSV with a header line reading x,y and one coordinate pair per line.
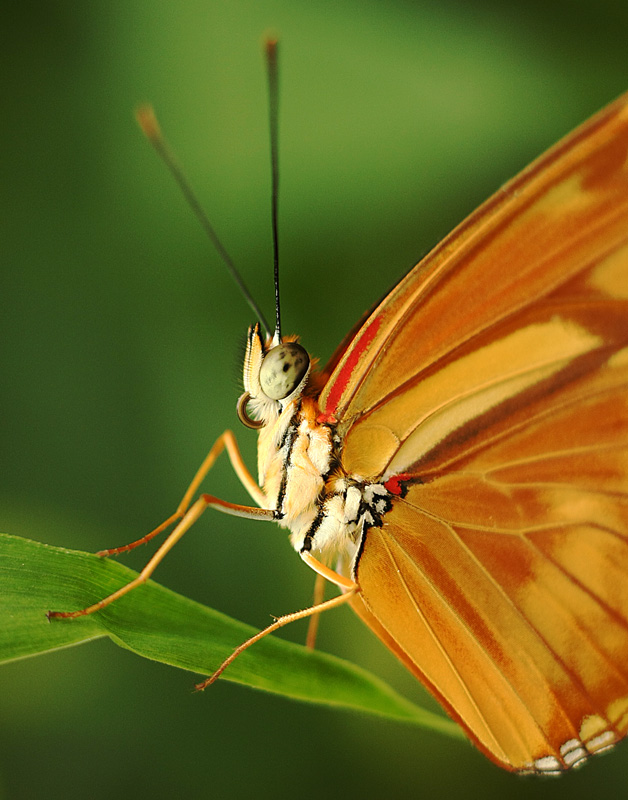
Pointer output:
x,y
489,391
504,583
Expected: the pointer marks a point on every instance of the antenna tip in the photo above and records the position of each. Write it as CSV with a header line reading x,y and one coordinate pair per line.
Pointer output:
x,y
147,121
271,41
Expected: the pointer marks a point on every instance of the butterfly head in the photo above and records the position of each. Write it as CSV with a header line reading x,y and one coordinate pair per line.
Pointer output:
x,y
275,375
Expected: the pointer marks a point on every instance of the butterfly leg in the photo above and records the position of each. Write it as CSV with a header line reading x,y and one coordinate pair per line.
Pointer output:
x,y
348,587
279,623
312,628
226,441
188,517
203,502
345,584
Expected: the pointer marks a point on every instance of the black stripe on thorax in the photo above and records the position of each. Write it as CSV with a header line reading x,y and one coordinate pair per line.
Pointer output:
x,y
318,521
287,440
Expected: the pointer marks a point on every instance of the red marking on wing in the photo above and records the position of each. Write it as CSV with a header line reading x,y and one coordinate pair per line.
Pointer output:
x,y
393,485
356,352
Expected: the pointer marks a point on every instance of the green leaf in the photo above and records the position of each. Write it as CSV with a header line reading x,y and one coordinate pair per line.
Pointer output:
x,y
162,625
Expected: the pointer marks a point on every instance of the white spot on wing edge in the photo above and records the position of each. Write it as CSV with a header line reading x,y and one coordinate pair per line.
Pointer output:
x,y
602,742
548,765
573,753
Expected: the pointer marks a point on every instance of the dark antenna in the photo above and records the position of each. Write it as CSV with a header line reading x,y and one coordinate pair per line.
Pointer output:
x,y
150,127
273,111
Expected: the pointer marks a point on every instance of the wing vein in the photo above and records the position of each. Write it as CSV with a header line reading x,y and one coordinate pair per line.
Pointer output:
x,y
529,624
434,636
508,600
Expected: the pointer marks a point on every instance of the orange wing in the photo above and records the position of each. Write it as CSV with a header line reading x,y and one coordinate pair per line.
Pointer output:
x,y
503,582
557,234
490,388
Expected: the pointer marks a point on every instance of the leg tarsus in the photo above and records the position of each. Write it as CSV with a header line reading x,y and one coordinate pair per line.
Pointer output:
x,y
312,627
114,551
279,623
192,515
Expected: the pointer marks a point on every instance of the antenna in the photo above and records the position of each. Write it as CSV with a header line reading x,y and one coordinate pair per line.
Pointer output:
x,y
150,127
273,114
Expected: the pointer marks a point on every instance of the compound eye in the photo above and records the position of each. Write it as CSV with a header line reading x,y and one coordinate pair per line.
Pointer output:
x,y
283,369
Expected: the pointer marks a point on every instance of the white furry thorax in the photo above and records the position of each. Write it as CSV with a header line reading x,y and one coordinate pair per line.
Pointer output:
x,y
299,472
294,456
299,468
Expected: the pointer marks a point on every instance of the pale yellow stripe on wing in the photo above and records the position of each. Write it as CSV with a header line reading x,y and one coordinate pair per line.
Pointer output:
x,y
610,275
491,376
568,197
618,359
426,413
617,713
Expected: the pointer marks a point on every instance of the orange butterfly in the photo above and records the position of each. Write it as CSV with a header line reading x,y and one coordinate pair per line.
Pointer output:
x,y
460,467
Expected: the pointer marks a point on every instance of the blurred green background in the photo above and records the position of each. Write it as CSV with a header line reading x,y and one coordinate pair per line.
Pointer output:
x,y
121,335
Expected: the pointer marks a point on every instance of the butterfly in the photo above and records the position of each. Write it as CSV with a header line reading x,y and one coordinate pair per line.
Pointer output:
x,y
459,468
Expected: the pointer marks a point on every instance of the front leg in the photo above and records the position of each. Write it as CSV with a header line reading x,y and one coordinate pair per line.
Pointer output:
x,y
203,502
187,516
226,440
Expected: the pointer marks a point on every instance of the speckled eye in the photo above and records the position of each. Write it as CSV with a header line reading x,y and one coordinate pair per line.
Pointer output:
x,y
283,369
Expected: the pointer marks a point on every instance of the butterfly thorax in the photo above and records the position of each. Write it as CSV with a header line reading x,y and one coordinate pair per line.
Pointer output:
x,y
299,465
299,470
294,456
